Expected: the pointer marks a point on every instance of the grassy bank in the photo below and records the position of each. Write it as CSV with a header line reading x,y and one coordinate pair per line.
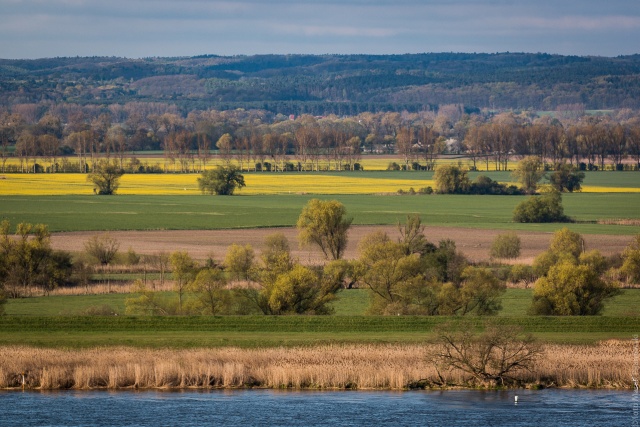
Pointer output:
x,y
386,366
352,302
272,331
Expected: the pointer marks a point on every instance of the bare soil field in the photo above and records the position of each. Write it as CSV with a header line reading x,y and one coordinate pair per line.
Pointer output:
x,y
202,244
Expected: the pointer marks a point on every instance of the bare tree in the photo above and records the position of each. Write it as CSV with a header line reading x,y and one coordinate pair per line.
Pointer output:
x,y
494,356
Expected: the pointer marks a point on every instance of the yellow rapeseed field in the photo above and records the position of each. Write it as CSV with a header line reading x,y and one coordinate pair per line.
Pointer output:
x,y
175,184
257,183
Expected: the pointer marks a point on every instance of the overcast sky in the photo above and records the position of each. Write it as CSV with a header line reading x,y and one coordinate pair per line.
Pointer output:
x,y
143,28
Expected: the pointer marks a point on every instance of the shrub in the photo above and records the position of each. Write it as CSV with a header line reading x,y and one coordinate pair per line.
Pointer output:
x,y
545,208
393,166
506,246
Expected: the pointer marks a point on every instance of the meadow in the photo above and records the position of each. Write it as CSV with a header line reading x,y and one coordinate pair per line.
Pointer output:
x,y
128,212
59,321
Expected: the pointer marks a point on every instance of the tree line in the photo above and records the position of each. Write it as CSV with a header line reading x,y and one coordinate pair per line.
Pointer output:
x,y
256,140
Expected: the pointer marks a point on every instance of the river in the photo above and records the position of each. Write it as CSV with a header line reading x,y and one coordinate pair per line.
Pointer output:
x,y
313,408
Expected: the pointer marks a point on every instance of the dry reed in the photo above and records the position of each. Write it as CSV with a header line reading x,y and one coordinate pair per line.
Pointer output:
x,y
388,366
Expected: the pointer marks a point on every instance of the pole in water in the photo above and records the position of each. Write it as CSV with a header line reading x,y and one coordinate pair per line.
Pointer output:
x,y
23,381
516,399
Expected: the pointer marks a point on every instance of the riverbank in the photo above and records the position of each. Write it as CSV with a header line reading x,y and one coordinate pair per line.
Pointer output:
x,y
608,364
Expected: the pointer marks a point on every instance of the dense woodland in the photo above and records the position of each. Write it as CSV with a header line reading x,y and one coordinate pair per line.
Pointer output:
x,y
303,112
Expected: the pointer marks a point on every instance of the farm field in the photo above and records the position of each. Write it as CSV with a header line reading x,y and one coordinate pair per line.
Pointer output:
x,y
76,213
266,183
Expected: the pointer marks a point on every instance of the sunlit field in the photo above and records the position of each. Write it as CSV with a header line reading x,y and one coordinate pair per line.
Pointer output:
x,y
186,184
266,183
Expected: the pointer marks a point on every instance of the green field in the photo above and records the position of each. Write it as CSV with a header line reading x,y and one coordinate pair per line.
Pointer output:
x,y
57,322
74,213
261,331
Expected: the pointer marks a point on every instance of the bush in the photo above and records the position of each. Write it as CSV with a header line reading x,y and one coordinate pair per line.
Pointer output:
x,y
566,178
538,209
506,246
485,185
393,166
451,179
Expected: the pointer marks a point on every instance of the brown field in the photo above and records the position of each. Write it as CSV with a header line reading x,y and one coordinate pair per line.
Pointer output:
x,y
201,244
605,365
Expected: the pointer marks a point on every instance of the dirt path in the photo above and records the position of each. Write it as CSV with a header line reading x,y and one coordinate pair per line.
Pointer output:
x,y
201,244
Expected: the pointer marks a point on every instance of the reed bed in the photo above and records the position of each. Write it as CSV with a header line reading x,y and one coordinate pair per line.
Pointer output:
x,y
605,365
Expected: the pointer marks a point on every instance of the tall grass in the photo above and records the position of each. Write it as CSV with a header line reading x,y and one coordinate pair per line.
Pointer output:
x,y
364,367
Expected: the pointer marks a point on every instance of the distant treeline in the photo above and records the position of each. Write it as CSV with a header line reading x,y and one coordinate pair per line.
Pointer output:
x,y
330,84
42,137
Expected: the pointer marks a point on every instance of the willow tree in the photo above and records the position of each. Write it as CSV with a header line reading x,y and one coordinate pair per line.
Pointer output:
x,y
324,223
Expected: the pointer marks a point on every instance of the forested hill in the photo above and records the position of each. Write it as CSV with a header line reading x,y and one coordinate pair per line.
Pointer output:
x,y
340,84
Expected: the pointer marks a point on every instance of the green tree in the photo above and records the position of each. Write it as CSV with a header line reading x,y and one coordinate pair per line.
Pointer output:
x,y
566,178
412,236
239,261
571,290
324,223
104,249
630,268
540,209
529,172
183,268
105,177
148,302
506,245
389,273
567,241
451,179
27,260
223,181
302,291
209,288
480,292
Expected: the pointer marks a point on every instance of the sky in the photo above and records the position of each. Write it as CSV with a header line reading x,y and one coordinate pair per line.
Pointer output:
x,y
146,28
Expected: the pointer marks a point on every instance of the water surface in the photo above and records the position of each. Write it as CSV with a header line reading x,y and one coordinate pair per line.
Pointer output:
x,y
310,408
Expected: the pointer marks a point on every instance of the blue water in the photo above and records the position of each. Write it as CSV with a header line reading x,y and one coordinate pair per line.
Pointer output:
x,y
308,408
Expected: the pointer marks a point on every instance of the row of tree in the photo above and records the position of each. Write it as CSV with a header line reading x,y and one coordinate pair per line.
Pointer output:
x,y
405,275
259,141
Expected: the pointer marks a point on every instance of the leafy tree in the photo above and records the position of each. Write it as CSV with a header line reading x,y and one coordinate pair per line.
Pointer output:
x,y
209,288
239,261
522,273
27,260
412,236
223,181
386,269
451,179
539,209
528,172
105,177
565,245
506,245
302,291
149,302
184,270
566,178
323,223
631,261
494,356
104,249
571,290
567,241
480,292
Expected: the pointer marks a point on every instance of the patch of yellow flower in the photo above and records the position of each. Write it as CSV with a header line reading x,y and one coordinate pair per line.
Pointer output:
x,y
257,183
176,184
